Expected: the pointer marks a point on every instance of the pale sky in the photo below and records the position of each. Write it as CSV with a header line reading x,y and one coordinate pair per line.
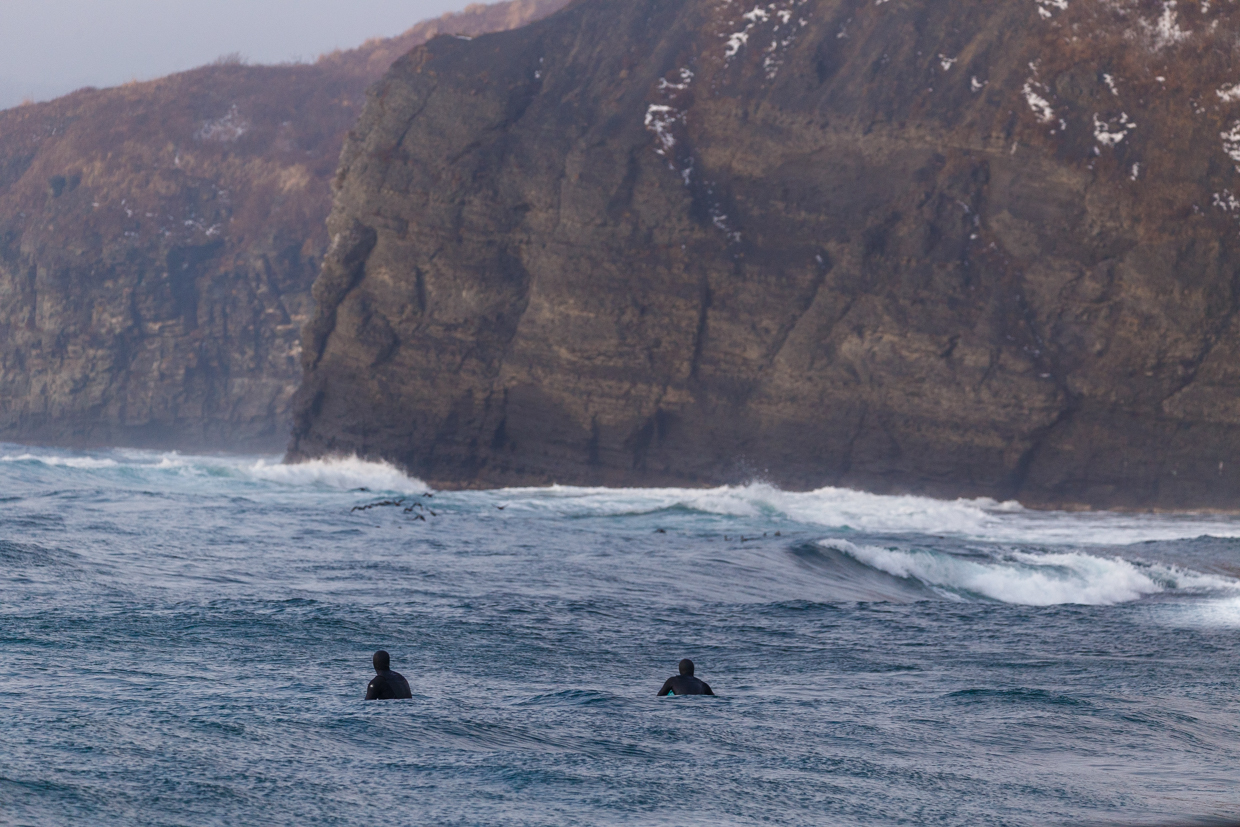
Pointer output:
x,y
50,47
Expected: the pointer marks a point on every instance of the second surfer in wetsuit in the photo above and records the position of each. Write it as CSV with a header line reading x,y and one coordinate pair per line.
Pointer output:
x,y
685,683
387,685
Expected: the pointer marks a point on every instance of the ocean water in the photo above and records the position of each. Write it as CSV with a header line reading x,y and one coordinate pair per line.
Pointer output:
x,y
186,640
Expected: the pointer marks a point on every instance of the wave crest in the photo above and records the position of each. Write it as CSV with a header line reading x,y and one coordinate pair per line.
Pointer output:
x,y
842,509
85,463
1030,579
341,473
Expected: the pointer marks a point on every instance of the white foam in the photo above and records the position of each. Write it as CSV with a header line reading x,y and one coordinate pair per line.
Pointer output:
x,y
61,461
158,460
1035,579
841,508
838,509
342,473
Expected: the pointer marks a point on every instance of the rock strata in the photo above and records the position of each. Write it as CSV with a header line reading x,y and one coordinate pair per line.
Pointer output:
x,y
979,247
158,242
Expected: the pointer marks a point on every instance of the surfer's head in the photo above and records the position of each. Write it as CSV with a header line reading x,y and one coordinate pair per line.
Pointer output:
x,y
383,663
686,668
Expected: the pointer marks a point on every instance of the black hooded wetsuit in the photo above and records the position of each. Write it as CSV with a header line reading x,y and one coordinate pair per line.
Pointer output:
x,y
685,685
387,686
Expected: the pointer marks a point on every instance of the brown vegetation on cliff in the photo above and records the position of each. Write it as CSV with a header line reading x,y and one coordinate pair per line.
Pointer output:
x,y
158,241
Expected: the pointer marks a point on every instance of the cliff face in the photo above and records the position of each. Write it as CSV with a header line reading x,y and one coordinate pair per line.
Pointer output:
x,y
968,247
158,242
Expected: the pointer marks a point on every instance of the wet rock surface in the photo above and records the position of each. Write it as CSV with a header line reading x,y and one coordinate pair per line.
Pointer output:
x,y
158,242
967,248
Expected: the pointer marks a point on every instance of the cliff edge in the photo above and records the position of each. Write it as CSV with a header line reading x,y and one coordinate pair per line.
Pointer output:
x,y
985,247
158,241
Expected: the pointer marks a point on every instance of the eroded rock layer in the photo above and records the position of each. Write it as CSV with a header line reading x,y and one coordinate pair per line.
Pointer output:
x,y
978,247
158,242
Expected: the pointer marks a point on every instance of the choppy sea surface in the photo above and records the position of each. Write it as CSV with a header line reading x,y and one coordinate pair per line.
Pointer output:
x,y
187,640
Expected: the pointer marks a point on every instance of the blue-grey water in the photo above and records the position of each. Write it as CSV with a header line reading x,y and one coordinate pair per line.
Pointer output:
x,y
186,640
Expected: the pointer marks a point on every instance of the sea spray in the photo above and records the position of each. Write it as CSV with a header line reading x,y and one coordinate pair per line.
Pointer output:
x,y
343,473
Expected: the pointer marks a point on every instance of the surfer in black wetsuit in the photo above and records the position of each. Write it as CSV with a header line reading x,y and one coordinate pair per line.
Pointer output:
x,y
387,685
685,683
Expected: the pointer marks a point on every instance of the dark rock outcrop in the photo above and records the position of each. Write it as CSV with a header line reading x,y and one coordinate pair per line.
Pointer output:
x,y
980,247
158,242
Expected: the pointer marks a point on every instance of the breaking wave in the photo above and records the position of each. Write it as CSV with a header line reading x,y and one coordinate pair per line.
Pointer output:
x,y
1034,579
56,461
756,505
333,474
346,474
842,509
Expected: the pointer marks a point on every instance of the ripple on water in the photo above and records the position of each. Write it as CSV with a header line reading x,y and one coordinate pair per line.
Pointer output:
x,y
186,641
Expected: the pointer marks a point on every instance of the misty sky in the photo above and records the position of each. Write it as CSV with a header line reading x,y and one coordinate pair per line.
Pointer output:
x,y
50,47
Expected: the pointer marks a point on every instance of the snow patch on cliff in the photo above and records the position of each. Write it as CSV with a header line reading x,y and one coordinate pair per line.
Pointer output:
x,y
686,77
783,30
1041,106
1226,201
1047,8
667,119
228,128
662,119
1166,31
735,41
720,220
1229,94
659,120
1231,143
1109,135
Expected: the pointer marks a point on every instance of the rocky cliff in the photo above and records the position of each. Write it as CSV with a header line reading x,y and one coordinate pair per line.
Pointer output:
x,y
158,242
977,247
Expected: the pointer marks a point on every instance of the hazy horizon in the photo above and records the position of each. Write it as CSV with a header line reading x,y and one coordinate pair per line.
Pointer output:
x,y
53,47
